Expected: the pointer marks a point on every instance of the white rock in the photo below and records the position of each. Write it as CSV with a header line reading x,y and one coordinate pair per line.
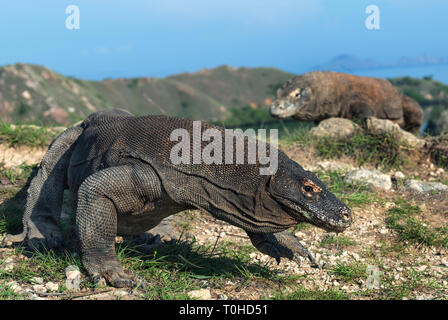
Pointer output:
x,y
399,175
201,294
375,125
37,280
14,286
73,277
335,128
425,187
421,268
39,288
120,293
372,178
26,95
51,286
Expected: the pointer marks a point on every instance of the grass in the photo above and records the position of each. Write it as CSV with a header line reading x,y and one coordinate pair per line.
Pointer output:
x,y
380,149
351,195
405,220
25,135
18,174
349,271
6,293
338,241
413,282
311,294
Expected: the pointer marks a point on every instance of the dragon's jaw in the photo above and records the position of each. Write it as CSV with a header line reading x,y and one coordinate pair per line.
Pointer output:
x,y
332,221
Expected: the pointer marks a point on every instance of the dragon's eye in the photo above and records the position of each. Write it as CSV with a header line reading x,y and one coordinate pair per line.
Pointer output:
x,y
309,188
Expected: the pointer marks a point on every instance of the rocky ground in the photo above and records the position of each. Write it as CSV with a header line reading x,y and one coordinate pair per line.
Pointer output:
x,y
397,247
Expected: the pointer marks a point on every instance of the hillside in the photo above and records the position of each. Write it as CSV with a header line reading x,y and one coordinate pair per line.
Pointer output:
x,y
35,94
234,96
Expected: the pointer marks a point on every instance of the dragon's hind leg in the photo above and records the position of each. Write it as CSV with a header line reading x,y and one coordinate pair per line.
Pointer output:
x,y
45,195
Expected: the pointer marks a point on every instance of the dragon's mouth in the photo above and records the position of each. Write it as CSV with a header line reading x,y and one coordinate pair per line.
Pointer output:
x,y
317,217
282,109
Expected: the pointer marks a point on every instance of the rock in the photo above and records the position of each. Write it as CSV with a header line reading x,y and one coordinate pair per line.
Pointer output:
x,y
51,286
73,277
425,187
120,293
336,128
372,178
15,287
8,264
39,288
399,175
201,294
26,95
222,297
326,165
381,126
37,280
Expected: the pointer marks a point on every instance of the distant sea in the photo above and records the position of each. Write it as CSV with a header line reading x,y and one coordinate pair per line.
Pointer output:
x,y
438,72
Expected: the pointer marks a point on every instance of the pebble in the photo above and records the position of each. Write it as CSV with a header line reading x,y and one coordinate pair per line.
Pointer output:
x,y
37,280
14,286
201,294
222,297
120,293
8,264
399,175
73,277
51,286
421,268
39,288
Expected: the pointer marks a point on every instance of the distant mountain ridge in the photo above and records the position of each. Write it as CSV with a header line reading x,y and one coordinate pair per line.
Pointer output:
x,y
36,94
349,63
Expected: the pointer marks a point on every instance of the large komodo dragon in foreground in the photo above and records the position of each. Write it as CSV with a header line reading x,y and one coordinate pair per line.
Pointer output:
x,y
319,95
117,166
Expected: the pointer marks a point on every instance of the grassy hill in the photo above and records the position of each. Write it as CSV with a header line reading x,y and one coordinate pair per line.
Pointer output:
x,y
222,95
35,94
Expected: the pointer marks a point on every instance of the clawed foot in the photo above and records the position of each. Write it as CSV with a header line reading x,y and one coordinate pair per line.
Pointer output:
x,y
108,269
51,241
281,245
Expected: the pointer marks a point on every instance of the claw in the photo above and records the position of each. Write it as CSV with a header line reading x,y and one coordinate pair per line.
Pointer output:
x,y
297,259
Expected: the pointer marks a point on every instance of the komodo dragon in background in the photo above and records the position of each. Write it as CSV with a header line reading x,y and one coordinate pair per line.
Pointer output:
x,y
117,166
319,95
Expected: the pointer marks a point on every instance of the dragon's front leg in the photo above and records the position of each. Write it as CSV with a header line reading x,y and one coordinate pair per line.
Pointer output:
x,y
281,245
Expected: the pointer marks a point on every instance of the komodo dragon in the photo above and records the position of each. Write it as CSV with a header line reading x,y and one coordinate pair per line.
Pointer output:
x,y
117,166
319,95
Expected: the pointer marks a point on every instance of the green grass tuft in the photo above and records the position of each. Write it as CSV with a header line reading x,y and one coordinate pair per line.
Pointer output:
x,y
311,294
379,149
405,220
349,272
25,135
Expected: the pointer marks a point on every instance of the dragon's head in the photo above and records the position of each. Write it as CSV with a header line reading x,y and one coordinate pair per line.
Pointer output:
x,y
307,199
293,99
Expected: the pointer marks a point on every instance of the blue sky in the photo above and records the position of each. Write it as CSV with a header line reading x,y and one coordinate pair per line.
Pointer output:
x,y
158,38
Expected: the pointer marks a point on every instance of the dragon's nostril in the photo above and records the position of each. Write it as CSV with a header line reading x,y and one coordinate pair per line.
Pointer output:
x,y
346,216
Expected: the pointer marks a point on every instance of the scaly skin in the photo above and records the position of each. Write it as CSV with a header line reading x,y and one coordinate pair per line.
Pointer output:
x,y
316,96
118,169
